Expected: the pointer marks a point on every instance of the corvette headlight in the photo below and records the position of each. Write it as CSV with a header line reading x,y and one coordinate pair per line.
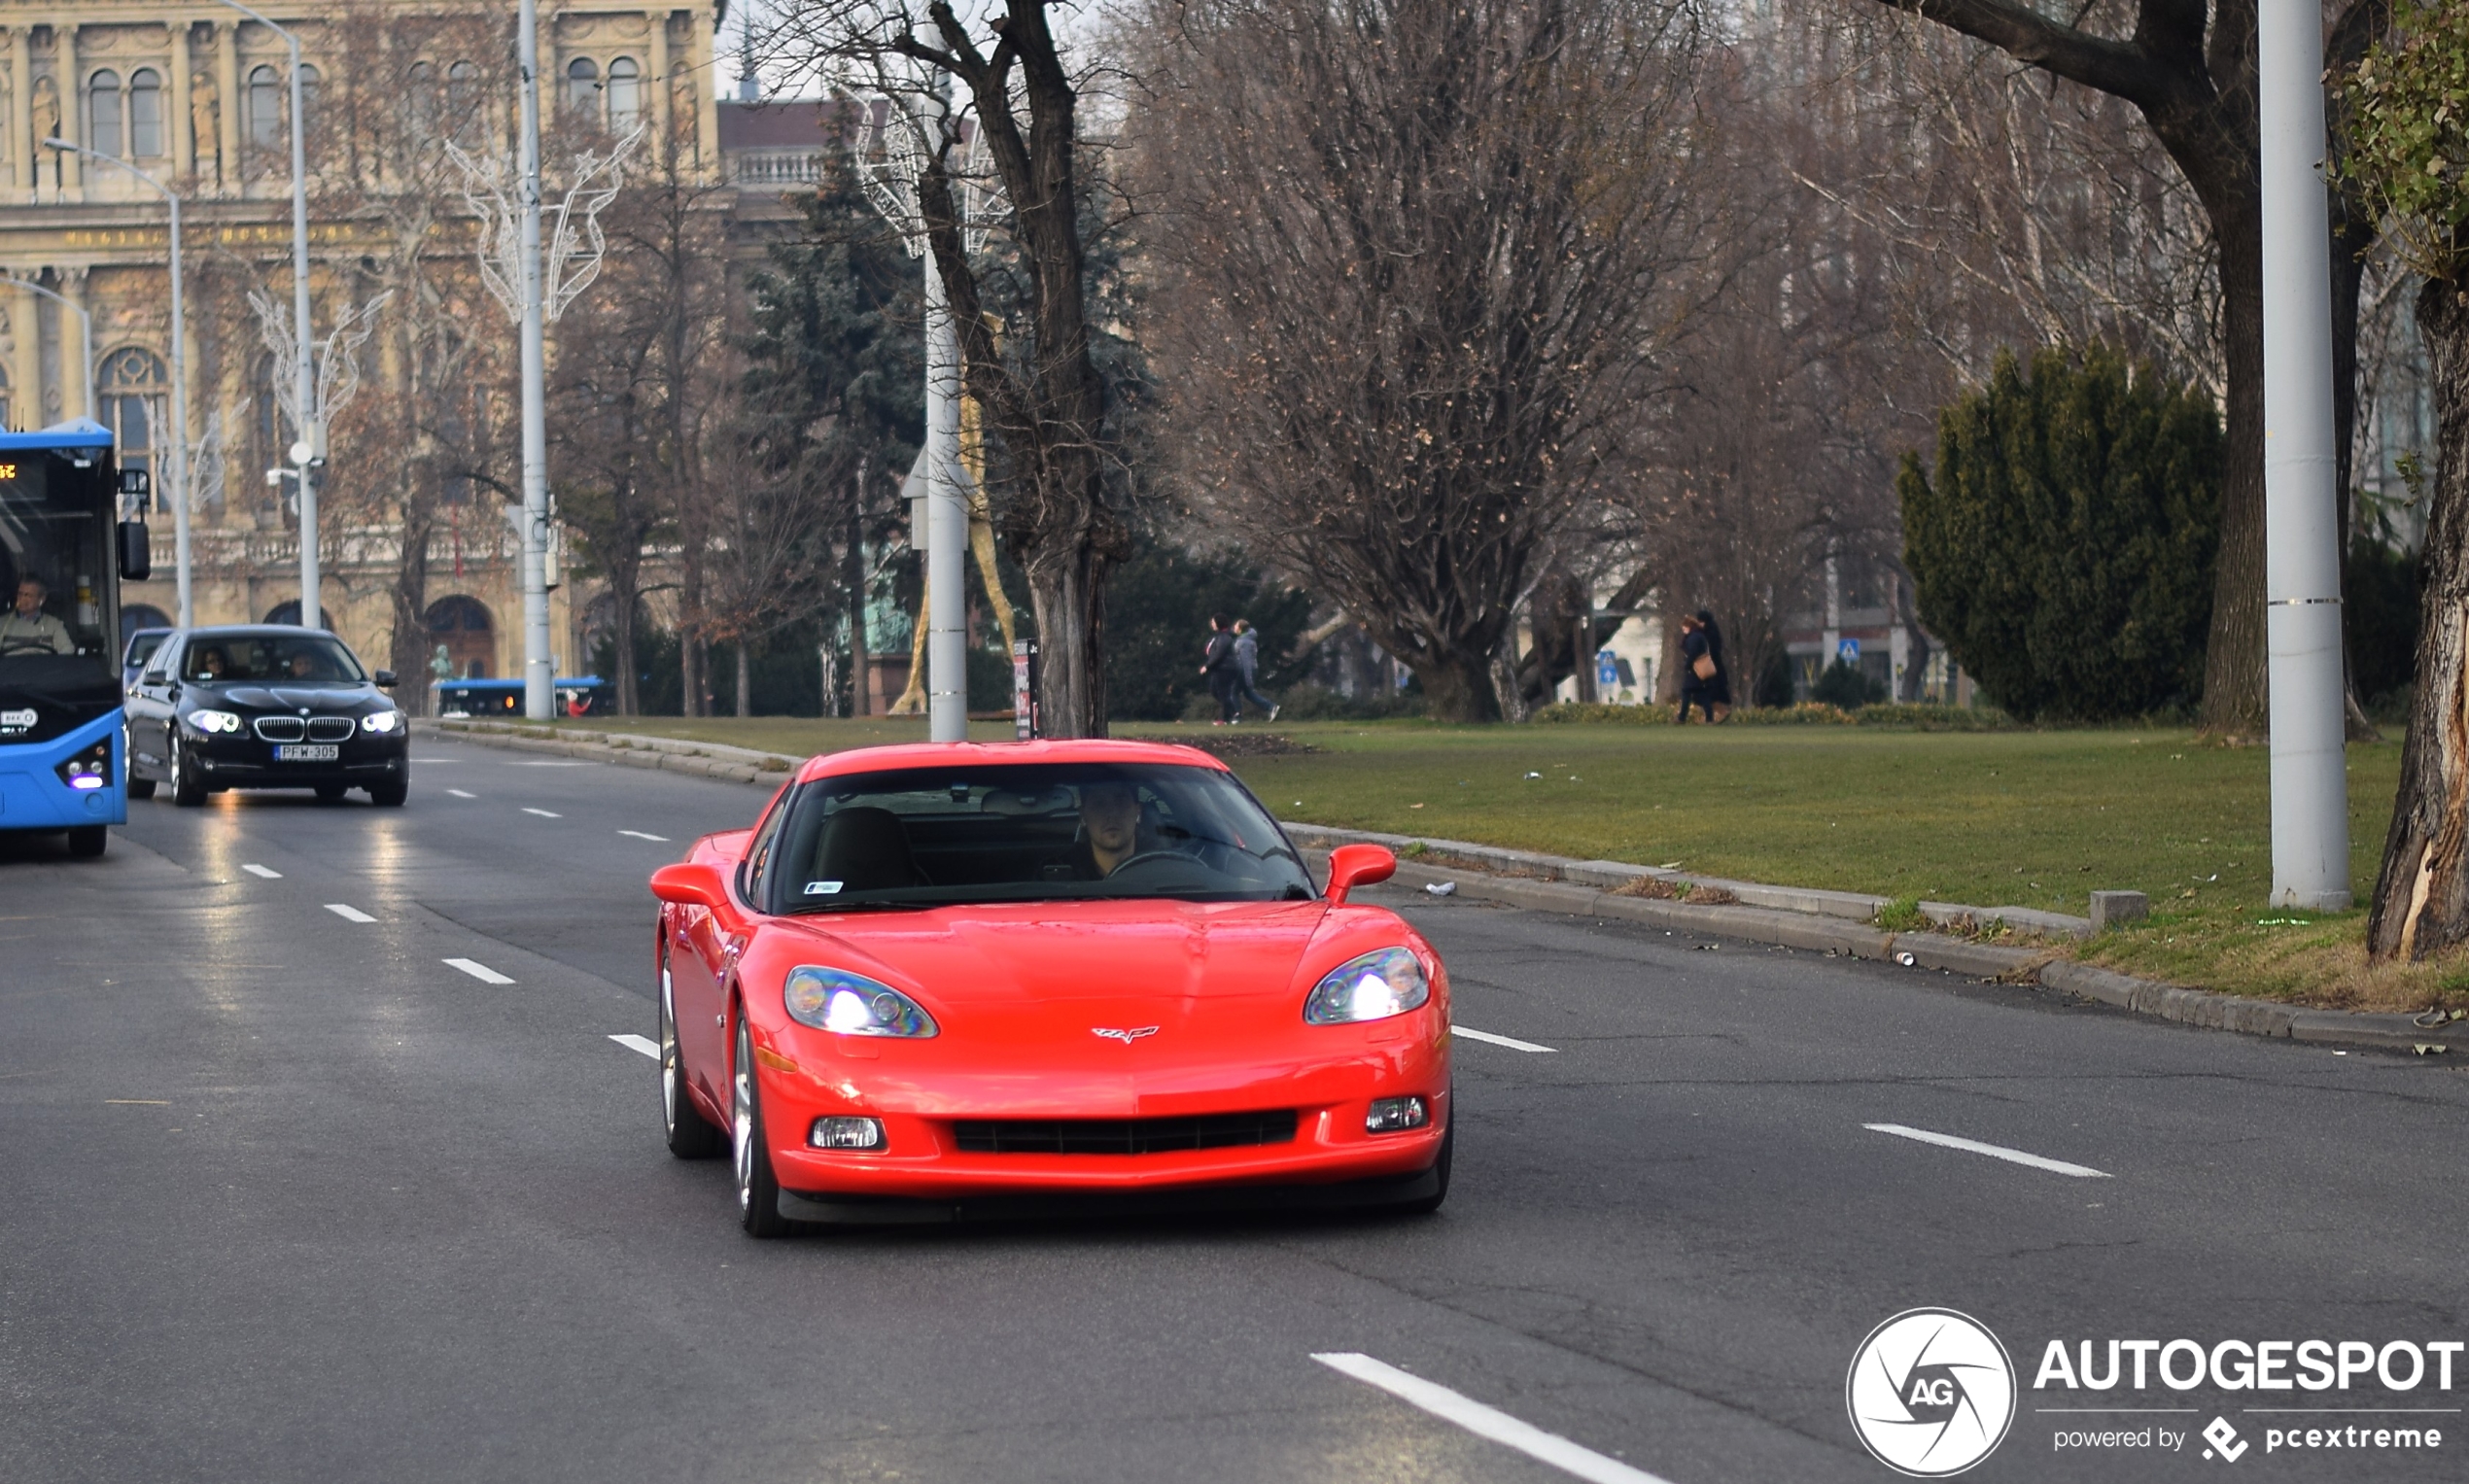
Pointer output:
x,y
214,722
1372,987
382,723
852,1005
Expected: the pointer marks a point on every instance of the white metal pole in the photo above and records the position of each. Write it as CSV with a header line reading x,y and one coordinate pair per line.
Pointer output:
x,y
178,494
538,685
947,525
2302,552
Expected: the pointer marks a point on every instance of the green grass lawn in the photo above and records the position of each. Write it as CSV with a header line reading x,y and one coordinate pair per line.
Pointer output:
x,y
1991,818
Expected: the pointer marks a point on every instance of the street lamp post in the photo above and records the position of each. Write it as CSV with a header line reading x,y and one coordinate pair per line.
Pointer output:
x,y
2301,537
84,319
539,677
304,375
179,493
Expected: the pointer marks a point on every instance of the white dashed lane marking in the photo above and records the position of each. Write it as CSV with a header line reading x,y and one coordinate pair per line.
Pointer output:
x,y
640,835
1992,1150
260,871
348,913
460,794
544,813
480,971
1488,1039
643,1044
1488,1422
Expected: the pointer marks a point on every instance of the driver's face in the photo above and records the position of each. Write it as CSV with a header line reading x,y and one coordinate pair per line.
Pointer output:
x,y
1112,812
29,599
302,665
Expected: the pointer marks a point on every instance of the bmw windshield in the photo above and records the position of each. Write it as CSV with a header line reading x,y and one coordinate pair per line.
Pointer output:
x,y
1033,832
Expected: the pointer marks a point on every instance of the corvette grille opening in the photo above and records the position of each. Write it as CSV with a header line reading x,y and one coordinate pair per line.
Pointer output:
x,y
1123,1136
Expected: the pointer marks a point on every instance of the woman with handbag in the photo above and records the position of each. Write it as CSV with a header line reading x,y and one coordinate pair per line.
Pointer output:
x,y
1698,671
1718,685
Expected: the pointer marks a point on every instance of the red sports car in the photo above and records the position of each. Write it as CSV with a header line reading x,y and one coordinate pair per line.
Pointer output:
x,y
954,980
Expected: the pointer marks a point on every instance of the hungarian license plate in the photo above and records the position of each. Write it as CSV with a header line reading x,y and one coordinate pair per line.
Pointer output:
x,y
306,752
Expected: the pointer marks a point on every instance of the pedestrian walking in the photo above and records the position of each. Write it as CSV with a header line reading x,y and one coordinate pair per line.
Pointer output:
x,y
1697,670
1720,688
1217,667
1247,667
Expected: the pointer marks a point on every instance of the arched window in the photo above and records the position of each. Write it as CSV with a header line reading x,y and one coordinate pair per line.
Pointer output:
x,y
102,113
265,109
146,112
421,98
463,95
582,88
625,95
308,101
130,390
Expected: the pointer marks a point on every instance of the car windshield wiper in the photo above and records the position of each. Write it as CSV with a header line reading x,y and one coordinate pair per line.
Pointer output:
x,y
877,906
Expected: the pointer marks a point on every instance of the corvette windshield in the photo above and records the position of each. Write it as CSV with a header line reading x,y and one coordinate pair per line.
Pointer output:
x,y
1033,832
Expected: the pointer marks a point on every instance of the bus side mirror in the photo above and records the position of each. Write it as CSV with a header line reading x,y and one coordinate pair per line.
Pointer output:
x,y
136,552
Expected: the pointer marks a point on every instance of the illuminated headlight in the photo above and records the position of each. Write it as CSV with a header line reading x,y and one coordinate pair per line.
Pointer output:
x,y
1396,1115
382,723
1372,988
214,722
852,1005
846,1133
88,769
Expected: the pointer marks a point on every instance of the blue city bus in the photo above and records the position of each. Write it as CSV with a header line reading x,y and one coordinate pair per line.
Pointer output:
x,y
63,549
577,696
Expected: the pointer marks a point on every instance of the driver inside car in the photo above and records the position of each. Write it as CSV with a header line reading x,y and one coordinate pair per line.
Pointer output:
x,y
1110,825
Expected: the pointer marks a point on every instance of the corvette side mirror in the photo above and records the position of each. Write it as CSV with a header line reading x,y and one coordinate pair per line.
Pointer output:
x,y
690,883
1352,866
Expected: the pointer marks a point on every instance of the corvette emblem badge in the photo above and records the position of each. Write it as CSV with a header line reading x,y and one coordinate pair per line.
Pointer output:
x,y
1127,1037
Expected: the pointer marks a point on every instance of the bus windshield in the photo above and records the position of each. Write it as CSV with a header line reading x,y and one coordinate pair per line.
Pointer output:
x,y
56,565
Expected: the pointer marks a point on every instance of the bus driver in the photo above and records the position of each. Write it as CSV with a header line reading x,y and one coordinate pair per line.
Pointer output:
x,y
25,629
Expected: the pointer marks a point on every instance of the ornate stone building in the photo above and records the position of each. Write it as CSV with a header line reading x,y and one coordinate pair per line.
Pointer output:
x,y
195,95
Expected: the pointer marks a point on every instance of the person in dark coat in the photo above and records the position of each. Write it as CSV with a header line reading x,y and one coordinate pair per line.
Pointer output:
x,y
1720,688
1217,667
1247,667
1694,688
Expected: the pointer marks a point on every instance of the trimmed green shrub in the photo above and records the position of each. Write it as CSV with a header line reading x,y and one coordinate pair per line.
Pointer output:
x,y
2063,547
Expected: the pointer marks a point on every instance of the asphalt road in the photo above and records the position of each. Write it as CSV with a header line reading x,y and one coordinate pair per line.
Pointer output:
x,y
284,1195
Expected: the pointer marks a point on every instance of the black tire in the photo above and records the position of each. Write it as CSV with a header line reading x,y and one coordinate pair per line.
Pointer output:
x,y
89,841
759,1191
188,790
388,795
689,1134
1425,1205
141,788
332,793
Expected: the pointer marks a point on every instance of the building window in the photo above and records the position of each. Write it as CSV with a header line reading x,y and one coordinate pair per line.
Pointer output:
x,y
102,113
146,114
308,101
265,109
463,97
130,390
625,95
582,88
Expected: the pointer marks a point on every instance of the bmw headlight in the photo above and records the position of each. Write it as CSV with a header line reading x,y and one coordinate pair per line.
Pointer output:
x,y
1372,987
382,723
214,722
852,1005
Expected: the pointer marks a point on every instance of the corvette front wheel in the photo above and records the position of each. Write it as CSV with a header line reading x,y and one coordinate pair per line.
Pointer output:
x,y
691,1135
759,1191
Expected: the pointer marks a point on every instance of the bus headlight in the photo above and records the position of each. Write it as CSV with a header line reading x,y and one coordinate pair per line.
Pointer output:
x,y
88,769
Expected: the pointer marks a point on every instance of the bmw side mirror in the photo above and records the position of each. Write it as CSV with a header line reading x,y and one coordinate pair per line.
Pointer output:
x,y
690,883
136,552
1352,866
385,679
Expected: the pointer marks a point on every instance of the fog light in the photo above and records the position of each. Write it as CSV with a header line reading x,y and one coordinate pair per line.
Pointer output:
x,y
846,1133
1395,1115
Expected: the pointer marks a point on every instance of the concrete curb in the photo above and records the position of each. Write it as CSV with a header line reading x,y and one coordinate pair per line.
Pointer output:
x,y
1790,917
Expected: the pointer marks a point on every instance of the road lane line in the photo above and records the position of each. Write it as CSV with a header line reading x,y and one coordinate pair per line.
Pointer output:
x,y
640,835
1992,1150
460,794
1512,1042
260,871
480,971
348,913
1488,1422
544,813
643,1044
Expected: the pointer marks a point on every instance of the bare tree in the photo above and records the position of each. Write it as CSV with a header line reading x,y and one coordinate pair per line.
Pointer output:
x,y
1422,259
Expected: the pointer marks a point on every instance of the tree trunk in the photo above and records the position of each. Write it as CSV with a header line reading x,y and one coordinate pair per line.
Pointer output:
x,y
1458,687
409,648
628,666
2236,705
1508,693
1067,591
744,683
860,666
2421,896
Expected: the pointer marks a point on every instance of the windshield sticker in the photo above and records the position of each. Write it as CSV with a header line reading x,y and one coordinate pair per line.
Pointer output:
x,y
822,888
